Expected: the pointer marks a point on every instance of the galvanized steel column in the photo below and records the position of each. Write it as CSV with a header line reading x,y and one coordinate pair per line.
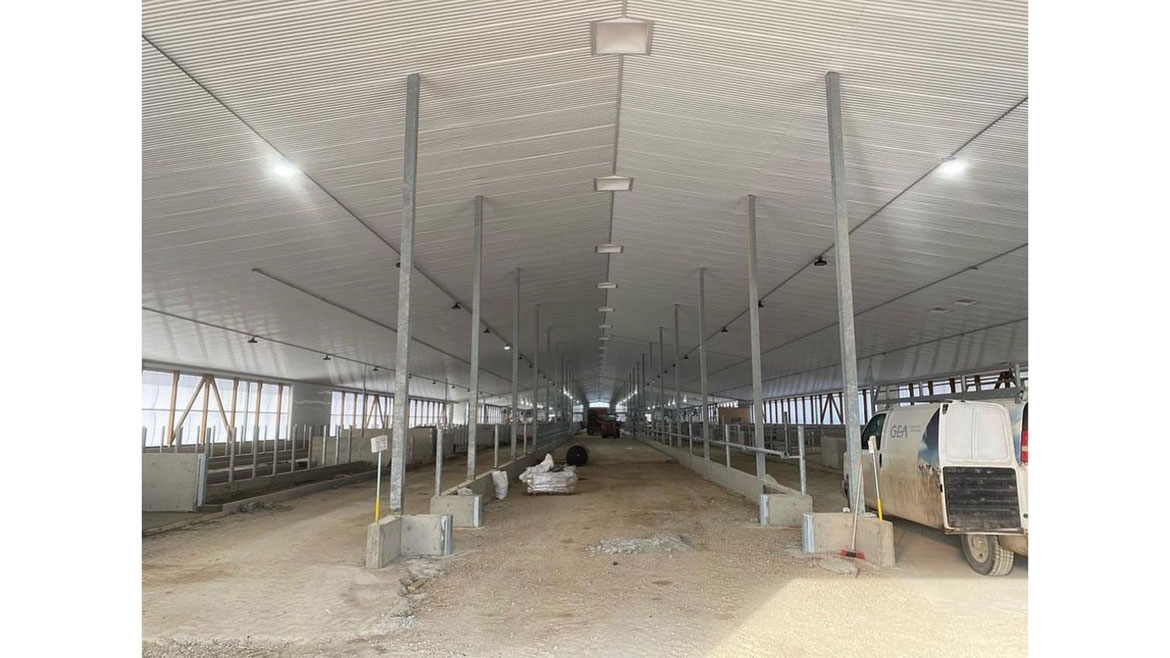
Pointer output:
x,y
754,323
844,285
536,377
515,364
661,374
677,368
703,360
406,268
473,401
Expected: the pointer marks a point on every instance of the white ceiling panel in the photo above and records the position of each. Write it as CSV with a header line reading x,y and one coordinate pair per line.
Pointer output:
x,y
514,107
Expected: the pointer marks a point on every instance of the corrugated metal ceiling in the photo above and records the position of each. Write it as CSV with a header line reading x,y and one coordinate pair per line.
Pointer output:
x,y
514,107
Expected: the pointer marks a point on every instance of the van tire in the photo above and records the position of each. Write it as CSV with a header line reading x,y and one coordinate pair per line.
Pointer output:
x,y
986,556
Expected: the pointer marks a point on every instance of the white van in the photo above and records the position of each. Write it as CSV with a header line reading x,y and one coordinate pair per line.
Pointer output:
x,y
953,466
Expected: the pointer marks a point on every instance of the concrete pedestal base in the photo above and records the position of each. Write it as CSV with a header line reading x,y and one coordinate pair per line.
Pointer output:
x,y
465,511
831,532
786,509
418,534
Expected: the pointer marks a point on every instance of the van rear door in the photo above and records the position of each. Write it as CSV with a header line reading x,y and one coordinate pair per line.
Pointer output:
x,y
979,478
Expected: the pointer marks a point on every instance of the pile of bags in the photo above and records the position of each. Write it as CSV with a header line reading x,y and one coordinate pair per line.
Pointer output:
x,y
546,478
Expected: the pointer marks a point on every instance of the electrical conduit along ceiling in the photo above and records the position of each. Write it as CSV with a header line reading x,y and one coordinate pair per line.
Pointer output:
x,y
515,107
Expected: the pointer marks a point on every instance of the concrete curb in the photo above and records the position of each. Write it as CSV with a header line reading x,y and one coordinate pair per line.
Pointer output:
x,y
147,532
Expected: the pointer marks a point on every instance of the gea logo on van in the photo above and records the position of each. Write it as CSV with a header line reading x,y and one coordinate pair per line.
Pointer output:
x,y
898,432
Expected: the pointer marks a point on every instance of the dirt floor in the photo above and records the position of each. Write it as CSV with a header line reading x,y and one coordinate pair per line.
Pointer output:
x,y
555,576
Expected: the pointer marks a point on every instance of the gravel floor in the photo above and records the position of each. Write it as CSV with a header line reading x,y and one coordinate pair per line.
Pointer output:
x,y
536,582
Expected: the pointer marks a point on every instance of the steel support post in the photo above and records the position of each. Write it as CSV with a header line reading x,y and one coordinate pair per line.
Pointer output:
x,y
661,374
552,364
754,323
703,361
439,460
641,375
476,331
405,270
677,368
515,364
536,378
844,284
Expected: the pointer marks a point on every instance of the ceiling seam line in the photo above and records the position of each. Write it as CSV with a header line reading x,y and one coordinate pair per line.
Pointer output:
x,y
286,343
319,186
885,205
896,349
875,307
334,304
976,266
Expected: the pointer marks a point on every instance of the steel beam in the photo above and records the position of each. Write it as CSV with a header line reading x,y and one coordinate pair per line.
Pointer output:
x,y
844,284
405,269
754,324
476,332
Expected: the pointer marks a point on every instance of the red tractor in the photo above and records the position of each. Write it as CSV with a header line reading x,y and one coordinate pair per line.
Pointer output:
x,y
609,428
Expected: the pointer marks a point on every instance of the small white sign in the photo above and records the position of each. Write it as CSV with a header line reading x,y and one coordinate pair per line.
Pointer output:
x,y
378,443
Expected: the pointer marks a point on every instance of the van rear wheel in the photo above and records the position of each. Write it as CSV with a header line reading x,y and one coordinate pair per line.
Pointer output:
x,y
986,556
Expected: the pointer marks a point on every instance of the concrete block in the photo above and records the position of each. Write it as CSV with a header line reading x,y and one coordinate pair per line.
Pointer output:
x,y
784,509
427,534
170,481
831,532
383,542
465,511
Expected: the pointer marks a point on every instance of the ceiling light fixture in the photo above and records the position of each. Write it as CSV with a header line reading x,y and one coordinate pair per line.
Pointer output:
x,y
456,306
375,368
487,331
966,302
820,261
605,309
327,358
606,285
723,330
939,310
605,326
253,340
284,169
613,184
609,248
621,36
507,346
603,338
952,166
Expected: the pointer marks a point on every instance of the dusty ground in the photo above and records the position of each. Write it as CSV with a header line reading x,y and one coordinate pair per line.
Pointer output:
x,y
533,582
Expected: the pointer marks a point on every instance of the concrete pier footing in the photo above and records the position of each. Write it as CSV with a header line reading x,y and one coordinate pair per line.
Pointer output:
x,y
413,535
832,532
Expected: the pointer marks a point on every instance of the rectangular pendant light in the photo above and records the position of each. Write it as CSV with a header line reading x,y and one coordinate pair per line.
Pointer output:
x,y
609,248
605,309
613,184
606,285
622,36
